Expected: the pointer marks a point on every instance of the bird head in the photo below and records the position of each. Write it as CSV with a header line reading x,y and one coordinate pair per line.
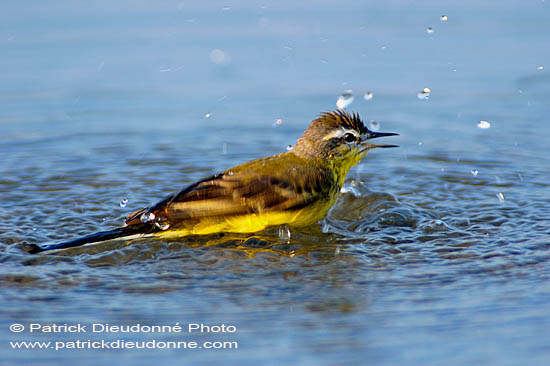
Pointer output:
x,y
338,137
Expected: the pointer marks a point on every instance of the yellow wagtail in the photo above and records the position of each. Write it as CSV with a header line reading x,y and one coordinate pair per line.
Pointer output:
x,y
295,188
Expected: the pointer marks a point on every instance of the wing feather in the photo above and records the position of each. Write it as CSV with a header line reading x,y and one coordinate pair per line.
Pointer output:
x,y
240,193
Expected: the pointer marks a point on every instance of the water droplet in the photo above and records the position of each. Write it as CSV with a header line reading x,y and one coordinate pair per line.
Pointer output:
x,y
420,143
277,123
540,67
220,57
474,172
162,226
284,233
484,125
443,18
429,30
368,96
374,125
520,176
424,94
500,197
345,99
351,188
207,115
147,217
168,69
226,8
289,147
383,48
124,202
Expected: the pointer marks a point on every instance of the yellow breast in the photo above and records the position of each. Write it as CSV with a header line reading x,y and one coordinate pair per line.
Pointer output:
x,y
254,222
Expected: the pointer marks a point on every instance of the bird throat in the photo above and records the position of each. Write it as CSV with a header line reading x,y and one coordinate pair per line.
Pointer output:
x,y
341,167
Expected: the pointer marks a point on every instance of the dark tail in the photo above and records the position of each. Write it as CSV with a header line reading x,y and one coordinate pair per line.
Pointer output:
x,y
121,232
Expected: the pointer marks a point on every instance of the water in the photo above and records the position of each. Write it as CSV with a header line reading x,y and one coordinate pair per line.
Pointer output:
x,y
420,262
424,94
484,125
374,126
345,99
368,96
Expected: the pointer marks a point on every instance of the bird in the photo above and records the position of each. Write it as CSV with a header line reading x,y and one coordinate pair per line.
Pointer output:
x,y
295,188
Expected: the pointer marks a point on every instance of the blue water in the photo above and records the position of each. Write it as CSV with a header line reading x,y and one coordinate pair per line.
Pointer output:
x,y
438,252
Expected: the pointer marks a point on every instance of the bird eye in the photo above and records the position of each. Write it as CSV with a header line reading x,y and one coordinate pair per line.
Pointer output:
x,y
349,138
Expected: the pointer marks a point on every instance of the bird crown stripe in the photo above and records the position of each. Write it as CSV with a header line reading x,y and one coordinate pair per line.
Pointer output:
x,y
347,119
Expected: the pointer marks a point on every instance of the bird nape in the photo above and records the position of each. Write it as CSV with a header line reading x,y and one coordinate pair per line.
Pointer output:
x,y
294,188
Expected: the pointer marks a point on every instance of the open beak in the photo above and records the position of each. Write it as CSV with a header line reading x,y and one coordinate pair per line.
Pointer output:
x,y
372,135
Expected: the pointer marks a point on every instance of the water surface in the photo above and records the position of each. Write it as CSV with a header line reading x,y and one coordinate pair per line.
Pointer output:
x,y
436,252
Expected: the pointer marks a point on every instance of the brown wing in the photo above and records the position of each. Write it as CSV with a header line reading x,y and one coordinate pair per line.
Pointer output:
x,y
242,193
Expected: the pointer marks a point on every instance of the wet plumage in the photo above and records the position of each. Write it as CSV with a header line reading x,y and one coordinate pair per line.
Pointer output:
x,y
296,188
